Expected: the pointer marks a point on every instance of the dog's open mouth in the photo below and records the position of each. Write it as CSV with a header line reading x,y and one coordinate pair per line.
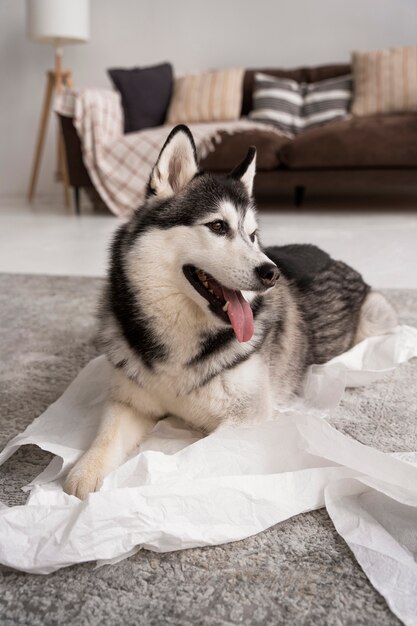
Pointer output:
x,y
228,304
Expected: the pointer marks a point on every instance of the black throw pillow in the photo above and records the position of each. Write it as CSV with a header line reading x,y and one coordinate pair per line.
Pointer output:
x,y
145,92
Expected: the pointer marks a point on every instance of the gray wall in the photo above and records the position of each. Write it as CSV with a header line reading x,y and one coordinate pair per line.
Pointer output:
x,y
193,35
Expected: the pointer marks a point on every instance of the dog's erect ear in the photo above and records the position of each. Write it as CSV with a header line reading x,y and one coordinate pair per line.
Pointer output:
x,y
176,164
246,170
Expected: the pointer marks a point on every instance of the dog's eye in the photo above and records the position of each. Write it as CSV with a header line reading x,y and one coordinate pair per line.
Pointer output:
x,y
219,227
252,237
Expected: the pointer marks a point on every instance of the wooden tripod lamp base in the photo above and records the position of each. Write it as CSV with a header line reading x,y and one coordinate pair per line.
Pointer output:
x,y
55,81
58,23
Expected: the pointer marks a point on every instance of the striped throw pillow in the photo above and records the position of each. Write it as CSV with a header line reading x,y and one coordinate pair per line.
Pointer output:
x,y
385,81
295,107
207,97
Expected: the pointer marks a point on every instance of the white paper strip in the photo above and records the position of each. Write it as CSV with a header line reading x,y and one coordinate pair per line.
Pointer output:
x,y
382,534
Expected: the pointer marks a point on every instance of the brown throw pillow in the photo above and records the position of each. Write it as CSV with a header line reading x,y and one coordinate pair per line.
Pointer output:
x,y
231,148
385,81
207,97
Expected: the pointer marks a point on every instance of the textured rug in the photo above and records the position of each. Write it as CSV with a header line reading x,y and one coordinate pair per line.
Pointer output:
x,y
298,572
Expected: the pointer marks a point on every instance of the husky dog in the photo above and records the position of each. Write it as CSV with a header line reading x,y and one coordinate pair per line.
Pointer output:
x,y
199,321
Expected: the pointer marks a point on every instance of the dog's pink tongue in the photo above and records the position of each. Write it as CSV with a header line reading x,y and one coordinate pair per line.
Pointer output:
x,y
240,314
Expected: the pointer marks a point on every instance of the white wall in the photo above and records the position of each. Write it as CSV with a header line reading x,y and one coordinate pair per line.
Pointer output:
x,y
192,34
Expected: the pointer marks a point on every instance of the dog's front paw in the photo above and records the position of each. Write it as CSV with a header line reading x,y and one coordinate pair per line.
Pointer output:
x,y
85,477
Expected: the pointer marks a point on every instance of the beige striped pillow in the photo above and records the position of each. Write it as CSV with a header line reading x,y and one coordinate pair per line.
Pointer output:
x,y
385,81
207,97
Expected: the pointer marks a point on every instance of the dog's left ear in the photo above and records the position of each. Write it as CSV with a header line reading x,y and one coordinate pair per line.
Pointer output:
x,y
176,164
246,170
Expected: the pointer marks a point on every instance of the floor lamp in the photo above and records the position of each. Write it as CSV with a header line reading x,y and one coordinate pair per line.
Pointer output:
x,y
59,23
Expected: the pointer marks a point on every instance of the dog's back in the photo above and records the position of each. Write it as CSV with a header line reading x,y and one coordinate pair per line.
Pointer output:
x,y
337,305
329,294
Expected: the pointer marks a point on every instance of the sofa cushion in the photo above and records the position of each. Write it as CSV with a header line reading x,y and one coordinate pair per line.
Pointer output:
x,y
233,148
300,74
385,81
145,93
295,107
375,141
206,97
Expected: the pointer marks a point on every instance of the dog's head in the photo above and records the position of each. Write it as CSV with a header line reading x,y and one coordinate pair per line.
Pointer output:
x,y
198,231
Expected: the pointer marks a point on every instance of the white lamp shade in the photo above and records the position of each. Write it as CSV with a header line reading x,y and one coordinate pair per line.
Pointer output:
x,y
58,22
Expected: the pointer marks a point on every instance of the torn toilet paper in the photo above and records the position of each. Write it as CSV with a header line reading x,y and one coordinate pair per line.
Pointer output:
x,y
180,490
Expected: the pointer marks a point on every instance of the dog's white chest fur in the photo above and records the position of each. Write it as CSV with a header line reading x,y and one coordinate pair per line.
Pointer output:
x,y
239,394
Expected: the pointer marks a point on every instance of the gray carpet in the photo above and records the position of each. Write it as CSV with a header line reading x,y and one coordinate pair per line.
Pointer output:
x,y
299,572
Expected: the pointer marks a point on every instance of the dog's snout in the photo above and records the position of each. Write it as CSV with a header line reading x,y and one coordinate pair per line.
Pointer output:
x,y
268,273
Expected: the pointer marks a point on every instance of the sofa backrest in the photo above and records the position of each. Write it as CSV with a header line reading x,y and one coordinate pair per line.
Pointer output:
x,y
300,74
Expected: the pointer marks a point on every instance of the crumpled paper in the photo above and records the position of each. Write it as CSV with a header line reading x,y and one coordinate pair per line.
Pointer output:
x,y
181,490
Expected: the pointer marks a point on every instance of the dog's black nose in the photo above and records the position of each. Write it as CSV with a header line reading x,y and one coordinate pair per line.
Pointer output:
x,y
268,273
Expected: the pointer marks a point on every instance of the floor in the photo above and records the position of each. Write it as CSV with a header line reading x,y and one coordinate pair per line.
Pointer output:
x,y
378,236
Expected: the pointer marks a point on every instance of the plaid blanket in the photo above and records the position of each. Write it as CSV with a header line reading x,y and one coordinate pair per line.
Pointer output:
x,y
119,165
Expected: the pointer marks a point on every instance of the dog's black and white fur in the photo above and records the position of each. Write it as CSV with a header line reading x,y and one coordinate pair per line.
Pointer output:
x,y
166,324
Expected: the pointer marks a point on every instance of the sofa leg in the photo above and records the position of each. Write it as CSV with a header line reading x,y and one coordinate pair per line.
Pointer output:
x,y
299,193
77,200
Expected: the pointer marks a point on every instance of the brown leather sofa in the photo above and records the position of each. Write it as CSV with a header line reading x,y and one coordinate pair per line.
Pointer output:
x,y
352,153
